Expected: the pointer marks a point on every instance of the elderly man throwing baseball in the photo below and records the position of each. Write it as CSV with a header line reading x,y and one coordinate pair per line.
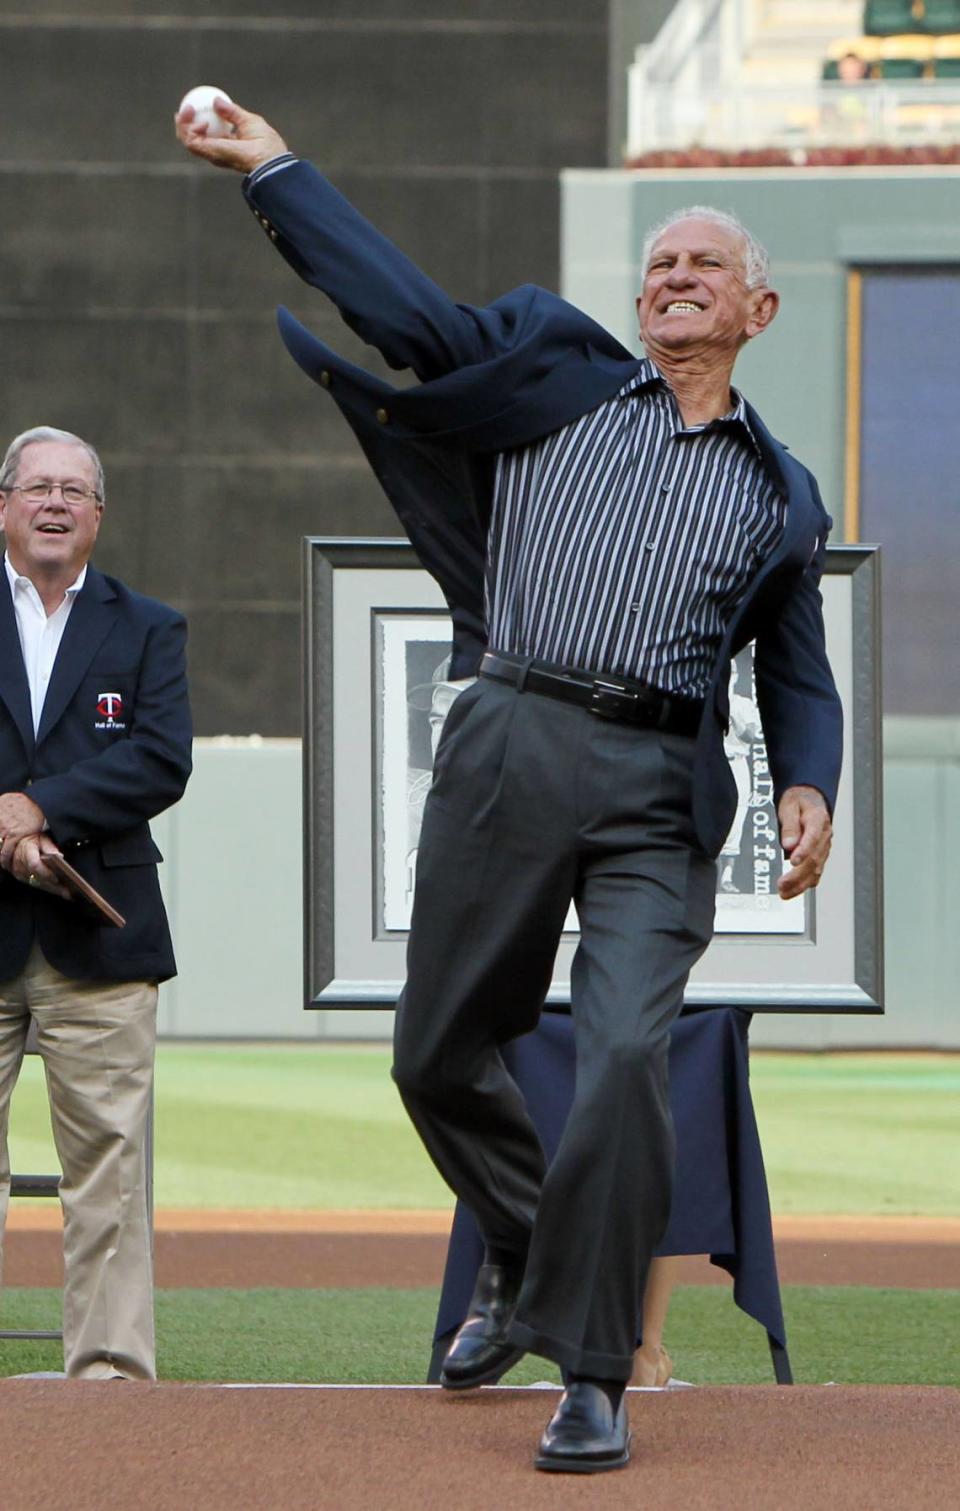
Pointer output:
x,y
609,531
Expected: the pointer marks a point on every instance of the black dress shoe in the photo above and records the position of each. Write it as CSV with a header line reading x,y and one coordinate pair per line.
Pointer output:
x,y
480,1353
585,1435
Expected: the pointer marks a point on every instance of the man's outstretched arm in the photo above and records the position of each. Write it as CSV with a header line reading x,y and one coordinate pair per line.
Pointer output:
x,y
380,293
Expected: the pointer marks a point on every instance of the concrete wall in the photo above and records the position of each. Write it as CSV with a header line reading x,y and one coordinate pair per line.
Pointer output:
x,y
137,294
232,880
233,884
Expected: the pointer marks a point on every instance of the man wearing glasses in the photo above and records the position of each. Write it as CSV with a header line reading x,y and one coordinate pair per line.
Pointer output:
x,y
94,741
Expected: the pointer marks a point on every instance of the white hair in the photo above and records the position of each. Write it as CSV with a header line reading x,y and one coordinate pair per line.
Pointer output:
x,y
756,261
11,462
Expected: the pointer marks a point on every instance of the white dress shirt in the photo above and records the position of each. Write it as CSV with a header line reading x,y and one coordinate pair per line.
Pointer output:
x,y
40,633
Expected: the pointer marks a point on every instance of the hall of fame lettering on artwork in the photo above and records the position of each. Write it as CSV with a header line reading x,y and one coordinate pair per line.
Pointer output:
x,y
751,861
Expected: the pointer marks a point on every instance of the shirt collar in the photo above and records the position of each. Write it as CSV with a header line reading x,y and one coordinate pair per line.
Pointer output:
x,y
16,579
738,416
649,376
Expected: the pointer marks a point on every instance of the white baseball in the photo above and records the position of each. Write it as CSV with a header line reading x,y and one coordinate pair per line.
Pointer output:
x,y
202,98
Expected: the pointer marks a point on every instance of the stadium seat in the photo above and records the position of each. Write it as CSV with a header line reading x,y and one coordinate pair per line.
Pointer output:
x,y
905,57
941,16
885,18
946,58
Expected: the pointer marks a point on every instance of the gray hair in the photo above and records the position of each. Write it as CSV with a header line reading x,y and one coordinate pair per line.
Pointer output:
x,y
756,261
11,462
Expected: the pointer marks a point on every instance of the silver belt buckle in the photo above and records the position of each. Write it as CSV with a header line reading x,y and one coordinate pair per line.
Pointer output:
x,y
608,701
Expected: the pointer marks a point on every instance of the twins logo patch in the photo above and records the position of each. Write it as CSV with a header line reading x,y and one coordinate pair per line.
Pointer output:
x,y
110,709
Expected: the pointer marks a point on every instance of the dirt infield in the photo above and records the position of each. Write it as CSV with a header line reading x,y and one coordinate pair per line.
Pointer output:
x,y
77,1447
68,1446
404,1249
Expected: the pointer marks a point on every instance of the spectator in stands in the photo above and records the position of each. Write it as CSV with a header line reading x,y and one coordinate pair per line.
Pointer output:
x,y
846,109
852,69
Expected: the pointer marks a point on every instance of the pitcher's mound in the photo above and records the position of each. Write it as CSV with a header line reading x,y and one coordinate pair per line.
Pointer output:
x,y
854,1448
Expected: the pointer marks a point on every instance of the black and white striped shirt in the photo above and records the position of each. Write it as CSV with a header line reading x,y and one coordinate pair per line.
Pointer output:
x,y
622,542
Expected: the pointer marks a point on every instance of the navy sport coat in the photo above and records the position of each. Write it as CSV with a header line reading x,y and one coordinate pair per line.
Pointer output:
x,y
501,376
111,752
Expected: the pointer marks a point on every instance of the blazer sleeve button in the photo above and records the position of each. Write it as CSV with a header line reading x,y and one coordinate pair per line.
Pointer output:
x,y
382,417
325,379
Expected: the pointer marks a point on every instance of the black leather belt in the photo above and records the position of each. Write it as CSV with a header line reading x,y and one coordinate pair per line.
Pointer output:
x,y
617,698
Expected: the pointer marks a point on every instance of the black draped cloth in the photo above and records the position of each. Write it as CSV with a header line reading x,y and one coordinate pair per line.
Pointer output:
x,y
720,1201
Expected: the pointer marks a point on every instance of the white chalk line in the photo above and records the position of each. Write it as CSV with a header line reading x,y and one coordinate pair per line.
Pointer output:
x,y
312,1385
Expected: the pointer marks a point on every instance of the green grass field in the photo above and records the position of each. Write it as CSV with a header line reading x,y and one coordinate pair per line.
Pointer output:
x,y
322,1126
848,1335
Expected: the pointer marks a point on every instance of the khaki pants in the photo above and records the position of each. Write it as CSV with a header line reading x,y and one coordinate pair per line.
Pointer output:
x,y
97,1043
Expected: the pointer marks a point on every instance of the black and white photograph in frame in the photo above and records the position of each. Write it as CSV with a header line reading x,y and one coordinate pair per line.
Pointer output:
x,y
414,694
377,693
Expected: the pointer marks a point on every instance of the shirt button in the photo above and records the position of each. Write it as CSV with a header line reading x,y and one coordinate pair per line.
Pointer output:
x,y
665,487
634,608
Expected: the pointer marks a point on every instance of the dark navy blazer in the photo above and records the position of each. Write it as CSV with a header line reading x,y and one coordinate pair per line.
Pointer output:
x,y
499,377
111,752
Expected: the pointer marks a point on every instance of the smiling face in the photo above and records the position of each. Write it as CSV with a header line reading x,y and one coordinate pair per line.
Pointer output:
x,y
50,538
695,295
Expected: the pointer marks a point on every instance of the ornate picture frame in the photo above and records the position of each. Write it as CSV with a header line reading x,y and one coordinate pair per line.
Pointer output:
x,y
376,635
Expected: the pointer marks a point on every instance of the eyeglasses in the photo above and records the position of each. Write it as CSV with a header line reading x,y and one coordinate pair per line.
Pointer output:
x,y
38,493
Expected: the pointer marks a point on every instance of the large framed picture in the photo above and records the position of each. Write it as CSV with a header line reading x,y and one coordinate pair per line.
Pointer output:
x,y
377,690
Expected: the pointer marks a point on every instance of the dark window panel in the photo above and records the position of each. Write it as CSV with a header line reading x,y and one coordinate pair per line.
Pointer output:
x,y
910,496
